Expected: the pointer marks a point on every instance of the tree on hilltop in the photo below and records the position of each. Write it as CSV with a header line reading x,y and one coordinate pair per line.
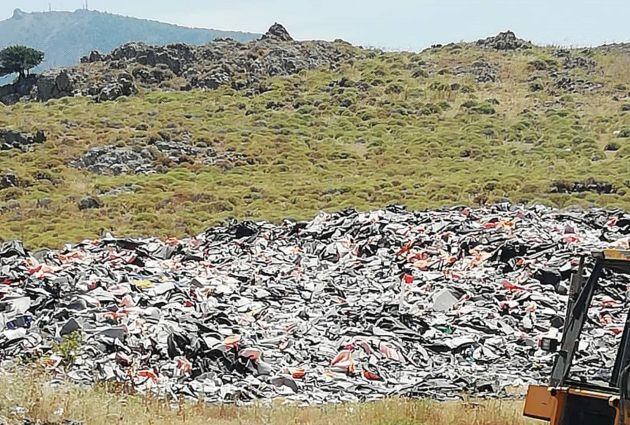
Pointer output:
x,y
20,60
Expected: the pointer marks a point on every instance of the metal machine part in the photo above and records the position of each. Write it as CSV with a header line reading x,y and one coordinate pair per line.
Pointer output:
x,y
569,402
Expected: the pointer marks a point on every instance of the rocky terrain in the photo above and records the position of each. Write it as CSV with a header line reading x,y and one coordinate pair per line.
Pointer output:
x,y
226,62
183,67
246,65
155,156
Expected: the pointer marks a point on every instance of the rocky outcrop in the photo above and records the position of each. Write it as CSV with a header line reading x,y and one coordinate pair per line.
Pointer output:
x,y
504,41
50,85
106,77
221,62
12,93
123,86
13,139
483,71
569,70
278,32
94,56
567,83
588,185
54,85
155,156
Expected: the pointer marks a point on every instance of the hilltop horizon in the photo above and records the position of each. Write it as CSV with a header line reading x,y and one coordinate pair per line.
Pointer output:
x,y
66,36
19,11
396,25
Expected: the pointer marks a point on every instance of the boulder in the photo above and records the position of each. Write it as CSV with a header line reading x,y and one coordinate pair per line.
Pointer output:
x,y
172,62
9,179
94,56
130,51
213,79
150,76
54,85
11,93
89,202
115,160
123,86
43,203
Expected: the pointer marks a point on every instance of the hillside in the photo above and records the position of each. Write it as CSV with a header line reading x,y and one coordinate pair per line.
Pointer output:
x,y
467,123
66,36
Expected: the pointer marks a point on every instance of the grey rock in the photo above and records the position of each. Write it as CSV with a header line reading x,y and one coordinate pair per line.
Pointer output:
x,y
44,203
13,139
566,82
115,160
123,86
573,60
9,179
222,62
483,71
89,202
152,76
505,41
54,85
121,190
94,56
277,32
12,93
155,156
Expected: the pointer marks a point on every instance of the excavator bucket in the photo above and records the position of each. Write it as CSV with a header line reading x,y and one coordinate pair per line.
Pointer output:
x,y
539,403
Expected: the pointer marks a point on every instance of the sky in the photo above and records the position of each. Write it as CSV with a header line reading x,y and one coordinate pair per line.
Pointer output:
x,y
388,24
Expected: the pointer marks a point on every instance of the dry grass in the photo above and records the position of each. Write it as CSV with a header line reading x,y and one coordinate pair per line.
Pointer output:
x,y
46,404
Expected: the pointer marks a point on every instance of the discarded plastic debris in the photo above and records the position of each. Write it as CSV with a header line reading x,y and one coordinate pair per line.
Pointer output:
x,y
312,311
444,300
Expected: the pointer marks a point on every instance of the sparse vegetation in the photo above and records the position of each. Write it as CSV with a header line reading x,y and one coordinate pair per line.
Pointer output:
x,y
33,397
377,131
68,347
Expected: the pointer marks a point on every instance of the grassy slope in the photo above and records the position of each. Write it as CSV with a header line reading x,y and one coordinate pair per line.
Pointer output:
x,y
405,140
106,406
